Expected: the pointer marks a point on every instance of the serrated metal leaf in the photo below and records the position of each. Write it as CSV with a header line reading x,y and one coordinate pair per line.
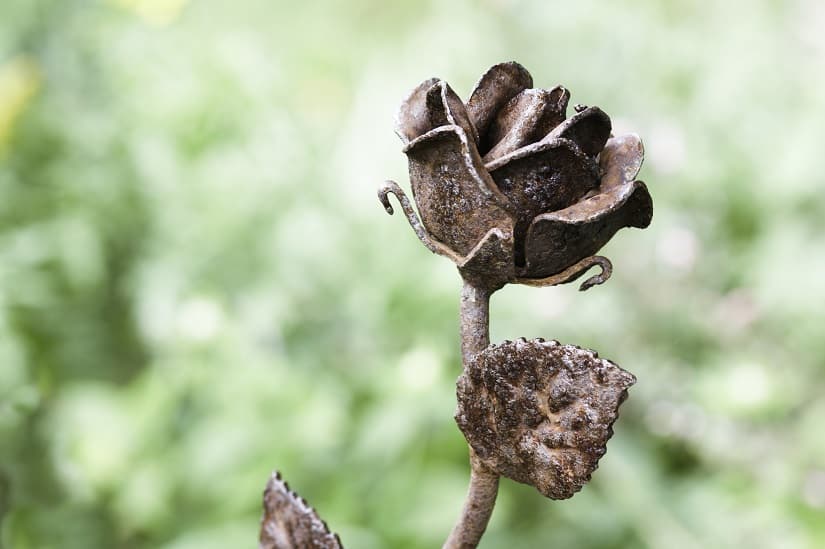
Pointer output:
x,y
290,523
541,412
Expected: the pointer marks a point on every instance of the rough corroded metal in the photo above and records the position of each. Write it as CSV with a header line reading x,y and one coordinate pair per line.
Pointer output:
x,y
581,230
474,319
454,194
588,128
540,412
545,176
525,119
490,264
290,523
507,186
492,92
513,191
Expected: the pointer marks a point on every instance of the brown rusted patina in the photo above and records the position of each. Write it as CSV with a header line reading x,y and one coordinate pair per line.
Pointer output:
x,y
290,523
511,189
540,412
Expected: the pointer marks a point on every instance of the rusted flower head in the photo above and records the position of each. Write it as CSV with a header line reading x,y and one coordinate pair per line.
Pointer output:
x,y
509,187
540,412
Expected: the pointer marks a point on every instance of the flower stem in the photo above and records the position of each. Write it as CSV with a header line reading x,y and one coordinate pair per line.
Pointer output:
x,y
481,496
475,321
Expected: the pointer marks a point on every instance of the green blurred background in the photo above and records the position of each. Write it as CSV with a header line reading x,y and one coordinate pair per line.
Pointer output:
x,y
198,284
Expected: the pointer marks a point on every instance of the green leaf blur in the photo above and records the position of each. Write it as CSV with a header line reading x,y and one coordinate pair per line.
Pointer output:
x,y
198,284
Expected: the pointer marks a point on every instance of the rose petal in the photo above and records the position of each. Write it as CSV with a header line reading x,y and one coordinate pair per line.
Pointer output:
x,y
493,90
588,129
446,107
490,264
525,119
456,197
432,104
542,177
540,412
621,160
559,239
413,116
289,521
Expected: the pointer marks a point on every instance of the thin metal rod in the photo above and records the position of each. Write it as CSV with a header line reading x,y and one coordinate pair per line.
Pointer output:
x,y
481,498
391,187
481,495
572,273
474,316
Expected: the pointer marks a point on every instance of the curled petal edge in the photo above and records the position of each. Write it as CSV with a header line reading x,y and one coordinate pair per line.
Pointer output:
x,y
472,162
431,104
603,204
454,111
412,117
557,238
526,118
494,89
536,148
621,159
589,129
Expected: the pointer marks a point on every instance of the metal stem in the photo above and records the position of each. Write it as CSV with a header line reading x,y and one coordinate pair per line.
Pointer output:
x,y
474,316
481,496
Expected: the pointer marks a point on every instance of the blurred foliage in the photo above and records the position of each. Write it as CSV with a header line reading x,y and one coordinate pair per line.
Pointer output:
x,y
198,285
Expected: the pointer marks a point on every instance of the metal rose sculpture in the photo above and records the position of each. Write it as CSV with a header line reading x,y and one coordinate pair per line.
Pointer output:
x,y
512,191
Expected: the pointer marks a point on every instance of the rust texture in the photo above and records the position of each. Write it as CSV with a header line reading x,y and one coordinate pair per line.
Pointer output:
x,y
540,412
290,523
474,318
512,191
509,187
474,321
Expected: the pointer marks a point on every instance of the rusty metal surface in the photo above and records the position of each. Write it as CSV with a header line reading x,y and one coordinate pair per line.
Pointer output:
x,y
556,238
556,188
290,523
492,92
525,119
545,176
474,321
453,192
512,191
540,412
490,264
589,128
